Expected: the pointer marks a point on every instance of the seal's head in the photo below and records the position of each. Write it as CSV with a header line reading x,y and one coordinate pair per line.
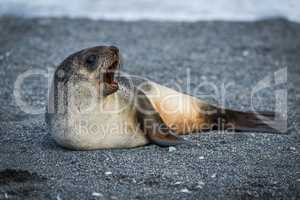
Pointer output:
x,y
95,65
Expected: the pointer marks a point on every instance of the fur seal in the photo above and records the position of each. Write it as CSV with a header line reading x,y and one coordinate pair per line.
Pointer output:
x,y
89,109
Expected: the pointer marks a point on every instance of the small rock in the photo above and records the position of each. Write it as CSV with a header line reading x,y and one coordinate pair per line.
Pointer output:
x,y
214,175
7,54
298,180
203,78
108,173
185,190
245,53
133,180
201,157
171,149
58,197
178,183
5,195
200,184
97,194
293,148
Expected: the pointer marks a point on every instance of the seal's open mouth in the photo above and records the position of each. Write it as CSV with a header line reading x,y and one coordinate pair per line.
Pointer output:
x,y
109,74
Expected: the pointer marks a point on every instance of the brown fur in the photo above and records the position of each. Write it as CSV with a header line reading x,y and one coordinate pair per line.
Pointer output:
x,y
158,112
182,113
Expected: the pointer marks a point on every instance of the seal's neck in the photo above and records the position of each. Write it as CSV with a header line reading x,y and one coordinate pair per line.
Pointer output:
x,y
114,103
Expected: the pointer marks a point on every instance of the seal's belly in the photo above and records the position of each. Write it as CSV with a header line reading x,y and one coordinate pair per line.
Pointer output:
x,y
92,131
111,124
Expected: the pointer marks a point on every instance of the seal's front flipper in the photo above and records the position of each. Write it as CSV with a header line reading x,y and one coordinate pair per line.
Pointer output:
x,y
166,140
162,135
152,124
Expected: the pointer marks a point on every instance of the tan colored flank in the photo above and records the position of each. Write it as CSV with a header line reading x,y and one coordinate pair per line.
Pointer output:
x,y
181,112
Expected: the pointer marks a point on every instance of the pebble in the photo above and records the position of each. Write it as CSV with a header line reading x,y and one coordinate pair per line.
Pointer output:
x,y
7,54
201,157
214,175
108,173
58,197
293,148
171,149
203,78
97,194
245,53
178,183
185,190
200,184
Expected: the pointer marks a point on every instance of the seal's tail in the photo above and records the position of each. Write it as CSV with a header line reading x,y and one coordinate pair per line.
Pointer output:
x,y
265,121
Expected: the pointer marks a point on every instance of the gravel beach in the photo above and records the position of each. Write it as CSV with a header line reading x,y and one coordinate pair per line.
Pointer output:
x,y
214,166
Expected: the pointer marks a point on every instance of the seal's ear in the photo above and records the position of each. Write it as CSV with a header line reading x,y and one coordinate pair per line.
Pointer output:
x,y
152,124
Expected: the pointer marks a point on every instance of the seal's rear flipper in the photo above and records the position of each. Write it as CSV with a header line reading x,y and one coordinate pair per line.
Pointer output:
x,y
267,122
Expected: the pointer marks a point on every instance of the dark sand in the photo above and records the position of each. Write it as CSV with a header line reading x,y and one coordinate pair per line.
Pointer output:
x,y
218,166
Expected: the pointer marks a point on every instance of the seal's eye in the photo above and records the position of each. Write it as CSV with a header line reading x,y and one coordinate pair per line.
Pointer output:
x,y
91,62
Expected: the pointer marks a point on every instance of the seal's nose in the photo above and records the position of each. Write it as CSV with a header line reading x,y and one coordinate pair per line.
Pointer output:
x,y
114,49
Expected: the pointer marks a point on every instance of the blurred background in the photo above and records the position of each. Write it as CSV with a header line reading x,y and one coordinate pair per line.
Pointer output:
x,y
180,10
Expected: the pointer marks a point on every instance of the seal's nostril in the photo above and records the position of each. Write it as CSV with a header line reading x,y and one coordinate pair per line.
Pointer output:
x,y
114,48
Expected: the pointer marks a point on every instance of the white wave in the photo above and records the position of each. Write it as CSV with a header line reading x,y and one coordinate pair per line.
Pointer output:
x,y
180,10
